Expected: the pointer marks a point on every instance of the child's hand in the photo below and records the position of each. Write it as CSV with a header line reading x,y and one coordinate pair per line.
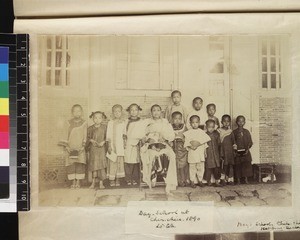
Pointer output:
x,y
101,144
68,149
144,140
81,150
234,146
95,144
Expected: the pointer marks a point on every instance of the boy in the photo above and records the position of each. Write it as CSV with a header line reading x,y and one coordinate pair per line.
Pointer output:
x,y
196,143
175,106
212,158
211,110
197,106
179,149
243,159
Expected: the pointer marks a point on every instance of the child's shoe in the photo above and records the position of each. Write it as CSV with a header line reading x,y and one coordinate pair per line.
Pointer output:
x,y
112,183
218,184
193,184
201,184
181,184
134,183
101,186
117,183
209,184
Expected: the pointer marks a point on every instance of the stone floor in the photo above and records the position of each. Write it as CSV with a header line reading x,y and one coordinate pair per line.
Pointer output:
x,y
276,194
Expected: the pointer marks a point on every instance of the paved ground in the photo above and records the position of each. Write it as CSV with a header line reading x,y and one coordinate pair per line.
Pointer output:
x,y
277,194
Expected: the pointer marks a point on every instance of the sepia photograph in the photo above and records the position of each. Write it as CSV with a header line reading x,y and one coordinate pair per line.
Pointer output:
x,y
164,118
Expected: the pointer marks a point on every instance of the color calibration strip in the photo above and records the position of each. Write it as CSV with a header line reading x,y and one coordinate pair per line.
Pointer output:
x,y
4,123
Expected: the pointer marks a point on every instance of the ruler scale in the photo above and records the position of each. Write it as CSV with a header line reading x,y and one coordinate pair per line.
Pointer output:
x,y
18,45
22,84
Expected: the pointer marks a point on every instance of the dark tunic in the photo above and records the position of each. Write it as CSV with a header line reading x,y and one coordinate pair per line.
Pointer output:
x,y
212,159
97,155
227,142
243,141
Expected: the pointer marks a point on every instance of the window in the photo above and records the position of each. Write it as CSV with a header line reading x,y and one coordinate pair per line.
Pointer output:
x,y
218,53
145,63
270,63
56,61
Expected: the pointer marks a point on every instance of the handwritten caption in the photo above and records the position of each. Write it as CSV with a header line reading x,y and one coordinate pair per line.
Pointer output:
x,y
272,226
169,219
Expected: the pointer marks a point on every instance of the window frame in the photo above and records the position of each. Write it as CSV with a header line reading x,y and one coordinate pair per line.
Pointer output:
x,y
278,63
52,50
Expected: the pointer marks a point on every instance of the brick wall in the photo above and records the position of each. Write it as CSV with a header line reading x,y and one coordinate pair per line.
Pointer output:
x,y
275,117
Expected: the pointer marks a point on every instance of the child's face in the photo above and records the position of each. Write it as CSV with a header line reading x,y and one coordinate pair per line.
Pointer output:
x,y
117,112
97,118
197,104
241,122
134,111
77,112
195,123
177,119
226,122
176,98
210,127
211,111
156,112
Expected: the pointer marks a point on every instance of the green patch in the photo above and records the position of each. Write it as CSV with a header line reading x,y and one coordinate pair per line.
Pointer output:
x,y
4,90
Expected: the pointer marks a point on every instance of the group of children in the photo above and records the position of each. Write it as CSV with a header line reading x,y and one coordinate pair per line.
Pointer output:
x,y
176,147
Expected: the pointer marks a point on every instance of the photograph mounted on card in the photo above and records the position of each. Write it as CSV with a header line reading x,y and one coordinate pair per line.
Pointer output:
x,y
179,117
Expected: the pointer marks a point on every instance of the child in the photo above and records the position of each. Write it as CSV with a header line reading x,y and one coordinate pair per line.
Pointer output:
x,y
196,143
96,137
197,106
74,145
176,106
212,159
156,153
134,133
179,149
243,166
227,149
211,110
115,137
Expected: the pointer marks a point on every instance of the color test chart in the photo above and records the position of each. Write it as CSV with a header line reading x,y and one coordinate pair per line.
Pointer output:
x,y
4,123
14,122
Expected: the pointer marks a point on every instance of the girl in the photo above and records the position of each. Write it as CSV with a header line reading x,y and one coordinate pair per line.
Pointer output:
x,y
134,134
96,148
227,149
74,145
180,151
243,166
115,137
156,153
